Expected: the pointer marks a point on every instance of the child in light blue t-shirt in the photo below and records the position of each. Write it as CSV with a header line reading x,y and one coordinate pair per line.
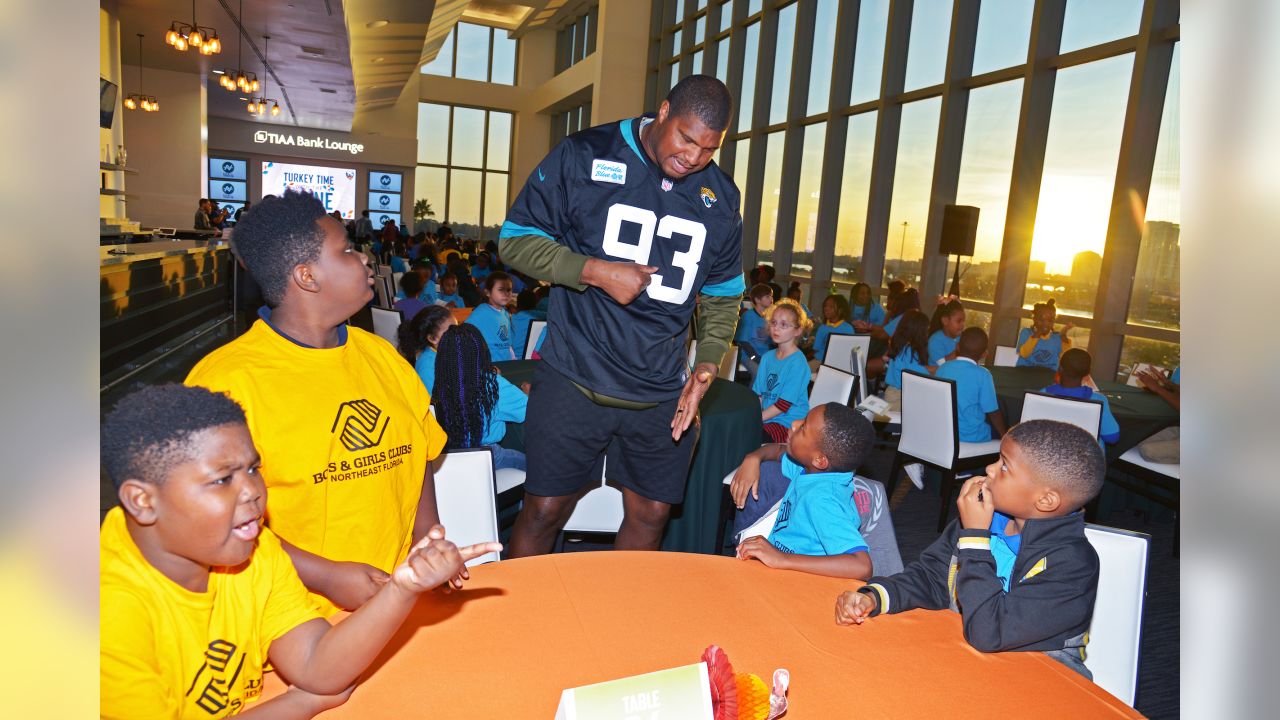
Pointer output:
x,y
472,402
1073,382
752,336
418,338
817,528
1040,345
782,381
835,321
492,318
448,295
944,331
977,409
864,311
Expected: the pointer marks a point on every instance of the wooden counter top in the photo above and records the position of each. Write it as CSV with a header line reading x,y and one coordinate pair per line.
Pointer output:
x,y
154,250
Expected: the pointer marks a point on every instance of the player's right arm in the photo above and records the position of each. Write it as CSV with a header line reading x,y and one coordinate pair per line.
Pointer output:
x,y
530,238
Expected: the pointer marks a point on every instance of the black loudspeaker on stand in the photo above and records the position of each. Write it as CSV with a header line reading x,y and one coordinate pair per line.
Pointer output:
x,y
959,235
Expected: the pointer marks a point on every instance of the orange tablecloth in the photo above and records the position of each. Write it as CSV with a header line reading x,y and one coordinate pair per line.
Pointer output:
x,y
523,630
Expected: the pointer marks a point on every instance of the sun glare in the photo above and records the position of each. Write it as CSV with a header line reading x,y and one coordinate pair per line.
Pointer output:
x,y
1071,218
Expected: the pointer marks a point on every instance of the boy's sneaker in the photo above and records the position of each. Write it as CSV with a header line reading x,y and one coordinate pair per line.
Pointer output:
x,y
915,471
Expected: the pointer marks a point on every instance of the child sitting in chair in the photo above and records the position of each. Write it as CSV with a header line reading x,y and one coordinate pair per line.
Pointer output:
x,y
817,528
1016,565
1074,382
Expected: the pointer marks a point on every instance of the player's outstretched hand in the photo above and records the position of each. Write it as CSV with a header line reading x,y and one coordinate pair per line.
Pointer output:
x,y
694,388
623,281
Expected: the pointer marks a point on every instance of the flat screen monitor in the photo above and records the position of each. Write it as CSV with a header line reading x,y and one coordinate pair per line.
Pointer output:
x,y
384,202
335,187
380,218
384,182
107,93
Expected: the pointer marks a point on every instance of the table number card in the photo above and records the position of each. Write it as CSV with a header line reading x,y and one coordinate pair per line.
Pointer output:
x,y
681,693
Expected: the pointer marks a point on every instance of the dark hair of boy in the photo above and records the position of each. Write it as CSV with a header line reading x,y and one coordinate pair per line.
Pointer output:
x,y
943,310
847,437
1074,366
411,284
154,429
760,290
526,300
415,334
776,290
912,332
1064,457
466,389
494,278
842,307
908,299
972,343
703,97
282,233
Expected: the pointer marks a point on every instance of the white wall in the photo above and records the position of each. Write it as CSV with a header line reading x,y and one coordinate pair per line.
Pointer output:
x,y
110,206
167,148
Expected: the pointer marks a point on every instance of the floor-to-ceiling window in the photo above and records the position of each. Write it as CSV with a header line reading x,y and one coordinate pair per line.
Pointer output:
x,y
463,173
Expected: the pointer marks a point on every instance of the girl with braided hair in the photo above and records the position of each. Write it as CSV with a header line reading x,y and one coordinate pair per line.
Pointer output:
x,y
473,402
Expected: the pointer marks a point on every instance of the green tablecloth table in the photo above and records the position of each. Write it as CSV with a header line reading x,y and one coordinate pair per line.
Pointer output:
x,y
731,428
1139,413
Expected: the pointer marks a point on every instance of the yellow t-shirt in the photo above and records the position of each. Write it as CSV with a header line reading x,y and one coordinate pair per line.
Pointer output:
x,y
167,652
345,435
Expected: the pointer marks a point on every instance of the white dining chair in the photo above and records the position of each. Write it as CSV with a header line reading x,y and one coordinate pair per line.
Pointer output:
x,y
599,511
536,328
1115,632
849,353
931,435
395,282
1006,356
1082,413
693,352
466,499
831,385
384,298
386,323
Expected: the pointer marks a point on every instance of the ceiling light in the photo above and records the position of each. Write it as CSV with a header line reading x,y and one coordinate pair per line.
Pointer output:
x,y
148,103
378,59
183,35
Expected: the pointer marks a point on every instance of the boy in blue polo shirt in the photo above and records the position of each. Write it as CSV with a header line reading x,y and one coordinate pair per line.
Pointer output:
x,y
977,409
817,530
752,337
1073,367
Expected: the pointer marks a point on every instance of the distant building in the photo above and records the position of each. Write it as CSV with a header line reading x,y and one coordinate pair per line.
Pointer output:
x,y
1086,267
1035,270
1156,278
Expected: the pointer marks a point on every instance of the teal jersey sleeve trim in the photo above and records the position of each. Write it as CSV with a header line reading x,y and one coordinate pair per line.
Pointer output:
x,y
729,288
510,229
625,127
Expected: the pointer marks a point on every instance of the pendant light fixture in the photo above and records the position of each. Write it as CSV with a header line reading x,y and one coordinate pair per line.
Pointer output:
x,y
138,100
239,80
258,106
183,35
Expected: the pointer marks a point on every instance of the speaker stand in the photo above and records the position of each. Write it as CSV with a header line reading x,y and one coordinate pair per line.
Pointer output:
x,y
955,280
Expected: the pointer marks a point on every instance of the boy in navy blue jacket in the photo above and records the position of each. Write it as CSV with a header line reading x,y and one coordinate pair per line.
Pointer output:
x,y
1016,565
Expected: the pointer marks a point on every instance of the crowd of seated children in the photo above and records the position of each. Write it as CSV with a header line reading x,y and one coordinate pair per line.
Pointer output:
x,y
419,337
1074,381
782,381
473,401
879,355
300,364
197,595
752,336
1040,345
492,318
978,413
944,330
1016,564
835,321
811,481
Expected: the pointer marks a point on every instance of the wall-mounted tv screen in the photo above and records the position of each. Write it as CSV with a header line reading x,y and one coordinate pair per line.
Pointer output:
x,y
107,93
384,181
335,187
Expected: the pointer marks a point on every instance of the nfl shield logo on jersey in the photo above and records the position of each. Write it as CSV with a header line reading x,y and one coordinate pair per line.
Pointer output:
x,y
708,197
666,185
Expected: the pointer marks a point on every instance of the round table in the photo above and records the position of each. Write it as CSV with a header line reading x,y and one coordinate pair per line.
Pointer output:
x,y
524,630
731,428
1139,413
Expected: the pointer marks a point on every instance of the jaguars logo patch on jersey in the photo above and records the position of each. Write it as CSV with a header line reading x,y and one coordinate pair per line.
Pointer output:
x,y
708,197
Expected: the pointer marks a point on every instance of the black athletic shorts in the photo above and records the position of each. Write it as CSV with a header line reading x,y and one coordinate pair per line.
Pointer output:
x,y
565,433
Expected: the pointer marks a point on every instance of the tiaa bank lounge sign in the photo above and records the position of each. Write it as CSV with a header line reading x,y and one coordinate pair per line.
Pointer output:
x,y
264,137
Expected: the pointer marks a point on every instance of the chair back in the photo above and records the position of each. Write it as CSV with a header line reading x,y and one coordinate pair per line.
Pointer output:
x,y
1115,632
395,282
763,526
929,428
840,352
600,510
380,291
466,498
1081,413
875,524
831,385
1006,356
729,363
386,323
536,328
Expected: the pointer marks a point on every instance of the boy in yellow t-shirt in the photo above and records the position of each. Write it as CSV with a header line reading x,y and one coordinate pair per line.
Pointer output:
x,y
196,595
342,421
